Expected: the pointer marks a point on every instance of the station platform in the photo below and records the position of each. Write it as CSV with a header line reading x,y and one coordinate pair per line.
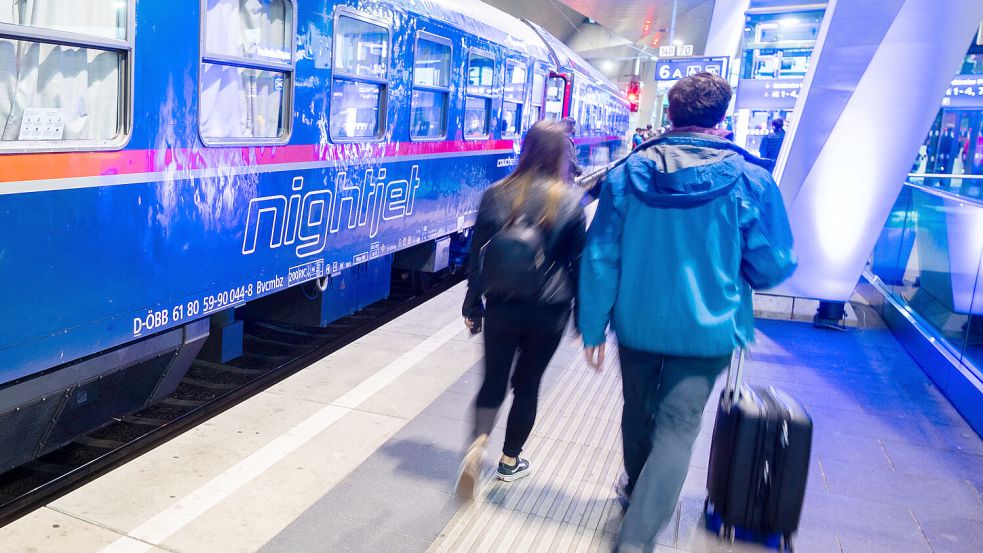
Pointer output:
x,y
359,452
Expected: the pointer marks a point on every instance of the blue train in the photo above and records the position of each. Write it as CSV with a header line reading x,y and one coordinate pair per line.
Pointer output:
x,y
164,171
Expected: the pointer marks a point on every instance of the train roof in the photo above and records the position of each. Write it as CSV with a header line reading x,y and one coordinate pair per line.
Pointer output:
x,y
567,58
482,20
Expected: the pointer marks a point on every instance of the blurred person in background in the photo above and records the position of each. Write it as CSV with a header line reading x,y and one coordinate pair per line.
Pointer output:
x,y
771,144
571,129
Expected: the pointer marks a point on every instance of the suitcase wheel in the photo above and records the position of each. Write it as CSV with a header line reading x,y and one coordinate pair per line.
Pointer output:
x,y
728,533
786,543
706,505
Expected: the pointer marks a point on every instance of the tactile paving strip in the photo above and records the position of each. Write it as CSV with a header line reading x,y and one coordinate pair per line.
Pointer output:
x,y
568,503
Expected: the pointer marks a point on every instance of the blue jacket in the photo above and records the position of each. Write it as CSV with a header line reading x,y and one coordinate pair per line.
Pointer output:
x,y
684,229
772,144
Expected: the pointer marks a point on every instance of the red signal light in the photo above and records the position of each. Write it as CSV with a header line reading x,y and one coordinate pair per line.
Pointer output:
x,y
634,94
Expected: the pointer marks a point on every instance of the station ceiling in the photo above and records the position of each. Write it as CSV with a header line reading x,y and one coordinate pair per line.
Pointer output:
x,y
637,27
647,23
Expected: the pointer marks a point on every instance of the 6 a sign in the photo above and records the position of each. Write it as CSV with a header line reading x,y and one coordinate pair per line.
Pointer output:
x,y
678,68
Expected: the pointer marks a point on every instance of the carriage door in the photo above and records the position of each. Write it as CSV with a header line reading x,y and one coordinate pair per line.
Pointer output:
x,y
557,96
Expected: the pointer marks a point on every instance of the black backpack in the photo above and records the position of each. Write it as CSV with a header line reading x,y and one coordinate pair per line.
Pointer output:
x,y
513,262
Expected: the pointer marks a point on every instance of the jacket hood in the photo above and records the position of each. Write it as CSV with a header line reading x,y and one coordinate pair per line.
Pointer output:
x,y
687,169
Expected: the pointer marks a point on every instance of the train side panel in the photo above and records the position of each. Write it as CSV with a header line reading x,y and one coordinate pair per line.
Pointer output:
x,y
173,231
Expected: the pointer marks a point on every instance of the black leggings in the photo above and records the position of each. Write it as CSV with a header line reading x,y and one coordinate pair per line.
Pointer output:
x,y
534,332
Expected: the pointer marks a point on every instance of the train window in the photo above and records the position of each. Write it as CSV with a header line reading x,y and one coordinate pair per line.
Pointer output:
x,y
555,91
515,81
355,110
98,18
432,62
538,88
246,71
481,74
431,88
514,95
476,117
257,30
358,92
361,48
66,73
481,85
535,111
511,113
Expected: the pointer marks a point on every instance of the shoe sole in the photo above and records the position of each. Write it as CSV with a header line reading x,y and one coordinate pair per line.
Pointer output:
x,y
467,475
513,477
466,481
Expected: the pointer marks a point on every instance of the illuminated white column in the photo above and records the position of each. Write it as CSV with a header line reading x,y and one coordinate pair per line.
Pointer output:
x,y
726,28
878,73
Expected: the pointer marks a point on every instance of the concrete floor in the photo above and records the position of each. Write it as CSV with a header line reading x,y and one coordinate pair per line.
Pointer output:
x,y
894,467
359,453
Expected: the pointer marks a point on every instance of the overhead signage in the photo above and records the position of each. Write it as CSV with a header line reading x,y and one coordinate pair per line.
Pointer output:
x,y
770,94
965,91
673,50
678,68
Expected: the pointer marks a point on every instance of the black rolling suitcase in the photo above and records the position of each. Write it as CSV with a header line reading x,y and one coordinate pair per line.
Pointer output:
x,y
759,460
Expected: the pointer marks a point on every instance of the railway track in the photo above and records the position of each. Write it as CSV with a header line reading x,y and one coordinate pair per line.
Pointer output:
x,y
272,352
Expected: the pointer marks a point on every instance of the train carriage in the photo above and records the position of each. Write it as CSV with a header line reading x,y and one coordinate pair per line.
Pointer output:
x,y
161,168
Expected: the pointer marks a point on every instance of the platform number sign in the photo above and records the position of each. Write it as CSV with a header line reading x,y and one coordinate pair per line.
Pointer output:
x,y
675,69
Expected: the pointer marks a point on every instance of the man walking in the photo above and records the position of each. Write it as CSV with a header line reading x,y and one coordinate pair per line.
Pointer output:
x,y
772,143
684,230
571,129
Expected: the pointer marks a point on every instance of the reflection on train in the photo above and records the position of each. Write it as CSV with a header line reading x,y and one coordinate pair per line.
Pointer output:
x,y
576,89
156,191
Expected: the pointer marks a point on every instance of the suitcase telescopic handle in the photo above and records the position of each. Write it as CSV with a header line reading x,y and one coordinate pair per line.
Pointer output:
x,y
734,377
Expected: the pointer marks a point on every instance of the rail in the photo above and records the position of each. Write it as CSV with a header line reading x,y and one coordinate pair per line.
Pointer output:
x,y
943,176
945,194
586,182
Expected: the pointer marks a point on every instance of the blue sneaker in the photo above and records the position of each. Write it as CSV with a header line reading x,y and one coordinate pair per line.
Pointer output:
x,y
508,473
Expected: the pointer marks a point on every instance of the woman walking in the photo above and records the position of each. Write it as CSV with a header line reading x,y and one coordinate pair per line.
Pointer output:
x,y
526,249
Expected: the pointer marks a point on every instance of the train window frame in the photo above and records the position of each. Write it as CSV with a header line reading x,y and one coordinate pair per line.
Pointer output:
x,y
446,91
516,122
124,48
518,101
383,82
227,60
487,98
536,104
521,99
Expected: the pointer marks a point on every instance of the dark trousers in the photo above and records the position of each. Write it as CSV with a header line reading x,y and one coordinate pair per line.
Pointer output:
x,y
533,332
664,401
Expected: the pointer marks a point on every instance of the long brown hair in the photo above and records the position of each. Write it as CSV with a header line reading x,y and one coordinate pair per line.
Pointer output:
x,y
544,162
